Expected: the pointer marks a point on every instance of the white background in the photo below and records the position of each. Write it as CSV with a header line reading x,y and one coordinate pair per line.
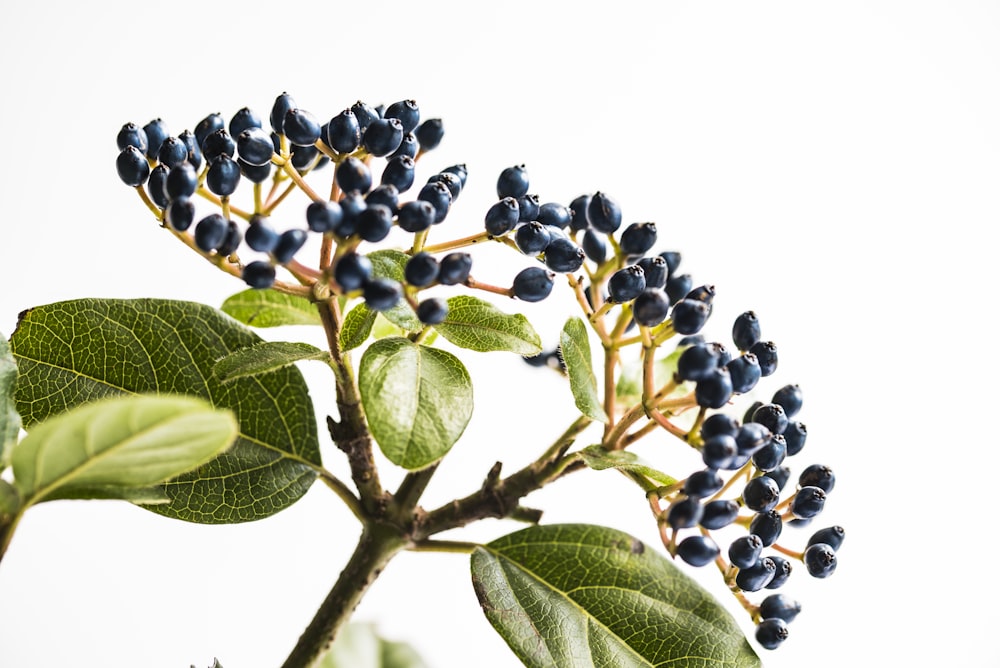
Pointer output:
x,y
833,166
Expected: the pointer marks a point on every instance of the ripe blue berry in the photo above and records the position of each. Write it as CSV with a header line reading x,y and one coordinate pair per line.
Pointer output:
x,y
282,105
439,196
782,571
701,484
416,216
638,238
626,283
407,112
259,274
751,437
689,316
563,256
343,132
678,286
399,171
761,494
218,143
832,536
207,126
719,423
323,216
745,372
432,311
650,307
771,416
255,173
655,269
156,131
352,271
383,136
719,513
697,550
532,238
301,127
715,389
554,214
193,148
795,437
767,355
757,576
771,455
421,270
156,185
375,222
533,284
429,134
780,606
385,194
578,211
820,560
513,182
365,113
789,397
528,207
243,119
454,268
460,170
255,146
132,135
180,213
818,475
808,502
718,451
353,174
210,232
133,168
352,203
771,632
594,246
684,513
745,551
289,243
182,181
781,475
603,213
766,526
231,242
223,176
172,152
260,235
746,330
502,216
697,362
381,294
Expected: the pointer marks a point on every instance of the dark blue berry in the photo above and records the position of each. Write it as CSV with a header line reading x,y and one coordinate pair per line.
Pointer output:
x,y
818,475
782,571
746,330
305,158
383,136
210,232
751,437
578,211
781,475
260,235
421,270
808,502
180,213
594,246
408,147
655,269
381,294
454,268
748,414
745,372
365,113
528,207
218,143
697,362
432,311
563,256
638,238
282,105
156,185
757,576
343,132
324,216
460,170
353,174
352,271
406,111
832,536
207,126
132,135
289,243
133,168
820,560
440,198
715,389
429,134
766,526
223,176
193,148
760,494
243,119
533,284
603,213
678,286
789,397
399,172
301,127
453,182
771,632
554,214
771,455
254,173
719,513
156,131
231,242
254,146
626,284
745,551
701,484
385,194
532,238
719,423
697,550
259,274
718,451
767,355
689,316
375,222
684,513
795,437
513,182
650,307
780,606
502,217
182,181
416,216
673,260
352,203
172,152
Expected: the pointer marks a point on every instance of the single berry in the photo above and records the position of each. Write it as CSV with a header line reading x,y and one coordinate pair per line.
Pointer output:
x,y
156,185
554,214
440,198
243,119
789,397
132,135
767,355
218,143
780,475
407,112
626,283
782,571
180,214
808,502
718,451
156,131
533,284
594,246
352,203
421,270
771,455
719,513
761,494
603,213
502,217
400,172
260,235
182,181
532,238
528,207
678,286
343,132
289,243
513,182
685,513
416,216
655,269
719,423
133,168
771,416
172,152
766,526
383,136
757,576
771,632
365,113
746,330
751,437
780,606
715,389
697,550
795,437
820,560
255,146
454,268
352,271
697,362
673,260
563,256
193,148
231,242
638,238
745,551
460,170
703,483
353,174
381,294
745,372
432,311
818,475
578,211
255,173
650,308
323,216
375,222
207,126
259,274
210,232
282,105
223,176
689,316
305,158
301,127
832,536
429,134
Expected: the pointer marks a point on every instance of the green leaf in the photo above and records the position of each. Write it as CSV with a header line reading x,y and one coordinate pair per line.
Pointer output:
x,y
418,400
600,459
478,325
75,352
263,358
578,596
141,496
10,420
359,646
575,347
357,326
270,308
131,441
388,263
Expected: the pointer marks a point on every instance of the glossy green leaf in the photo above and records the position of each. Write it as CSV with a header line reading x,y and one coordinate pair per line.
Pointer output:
x,y
124,441
478,325
575,346
270,308
388,263
357,326
75,352
360,646
578,596
265,357
600,459
10,420
418,400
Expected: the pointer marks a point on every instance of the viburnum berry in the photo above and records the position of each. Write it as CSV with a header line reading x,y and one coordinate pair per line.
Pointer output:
x,y
289,243
594,246
767,526
260,235
182,181
771,632
698,550
133,168
780,475
782,571
207,126
650,307
808,502
603,213
554,214
718,451
399,171
563,256
756,576
533,284
719,513
429,134
684,513
259,274
407,112
255,146
365,113
131,134
432,311
751,437
179,214
383,136
789,397
689,316
323,216
780,606
353,174
746,330
210,232
578,210
832,536
818,475
820,560
301,127
770,456
156,131
375,222
502,216
454,268
767,355
352,271
532,238
254,173
697,362
513,182
745,551
421,270
385,194
439,197
416,216
223,176
343,132
760,494
715,389
655,269
381,294
156,185
282,105
703,483
193,148
218,143
745,372
677,286
638,238
243,119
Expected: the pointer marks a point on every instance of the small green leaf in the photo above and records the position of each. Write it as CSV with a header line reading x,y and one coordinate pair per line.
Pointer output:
x,y
388,263
418,400
357,326
600,459
575,346
264,358
10,420
75,352
578,596
270,308
476,324
359,646
135,441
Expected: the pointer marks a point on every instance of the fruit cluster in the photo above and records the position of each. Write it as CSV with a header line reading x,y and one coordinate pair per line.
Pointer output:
x,y
620,282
